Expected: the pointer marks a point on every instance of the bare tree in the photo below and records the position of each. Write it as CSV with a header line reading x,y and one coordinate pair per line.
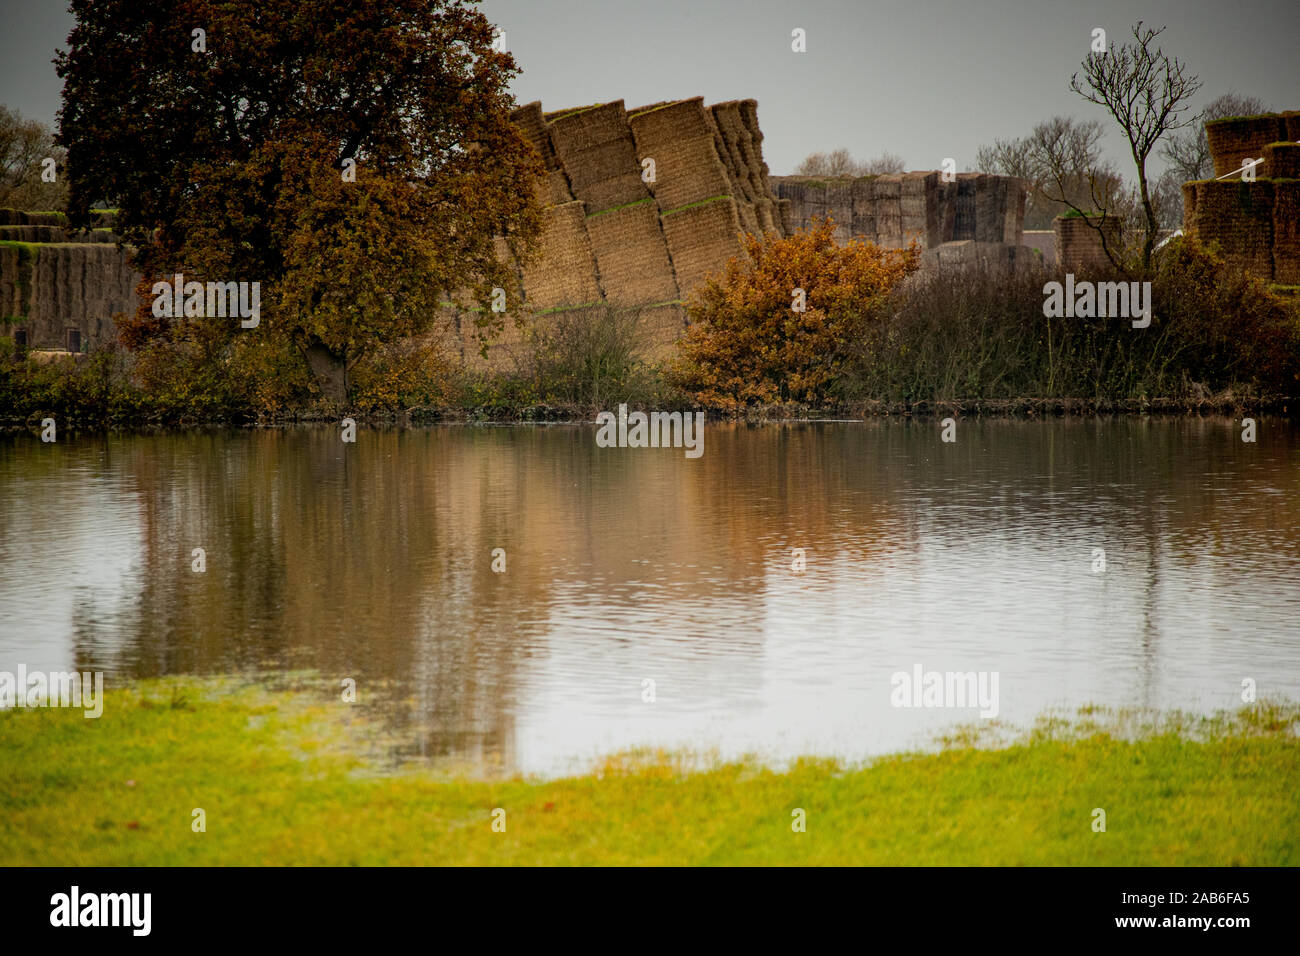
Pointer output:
x,y
1061,161
1188,152
840,163
1146,92
24,144
886,164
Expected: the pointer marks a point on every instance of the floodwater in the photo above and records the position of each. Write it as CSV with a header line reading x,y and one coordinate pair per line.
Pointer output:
x,y
649,599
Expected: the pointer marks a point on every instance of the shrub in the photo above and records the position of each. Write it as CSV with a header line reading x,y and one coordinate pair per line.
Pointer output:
x,y
982,335
747,345
590,357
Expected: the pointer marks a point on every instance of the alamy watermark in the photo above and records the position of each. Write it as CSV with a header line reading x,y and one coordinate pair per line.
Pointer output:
x,y
950,689
57,689
1086,300
212,300
656,430
74,908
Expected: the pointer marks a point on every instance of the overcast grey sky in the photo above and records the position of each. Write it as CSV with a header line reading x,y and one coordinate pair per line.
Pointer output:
x,y
924,79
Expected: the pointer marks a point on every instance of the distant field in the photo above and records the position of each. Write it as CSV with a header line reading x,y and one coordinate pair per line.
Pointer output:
x,y
273,775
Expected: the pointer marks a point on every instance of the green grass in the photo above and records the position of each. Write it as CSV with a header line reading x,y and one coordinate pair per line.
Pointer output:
x,y
626,205
274,776
692,205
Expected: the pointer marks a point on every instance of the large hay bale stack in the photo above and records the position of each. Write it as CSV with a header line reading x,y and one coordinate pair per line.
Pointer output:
x,y
597,152
632,254
565,272
1281,161
1286,231
1234,140
701,238
48,288
680,139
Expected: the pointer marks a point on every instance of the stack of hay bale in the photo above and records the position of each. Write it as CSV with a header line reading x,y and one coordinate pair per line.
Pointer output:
x,y
55,280
1079,244
1255,224
892,211
615,236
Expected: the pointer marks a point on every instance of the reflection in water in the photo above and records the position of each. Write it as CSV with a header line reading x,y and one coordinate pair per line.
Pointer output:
x,y
373,561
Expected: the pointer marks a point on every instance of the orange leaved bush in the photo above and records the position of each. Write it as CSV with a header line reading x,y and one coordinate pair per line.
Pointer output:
x,y
749,343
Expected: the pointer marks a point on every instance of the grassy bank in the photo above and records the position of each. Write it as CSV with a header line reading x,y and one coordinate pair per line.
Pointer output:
x,y
278,788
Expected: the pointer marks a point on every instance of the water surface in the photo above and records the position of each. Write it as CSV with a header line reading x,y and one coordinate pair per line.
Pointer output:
x,y
374,560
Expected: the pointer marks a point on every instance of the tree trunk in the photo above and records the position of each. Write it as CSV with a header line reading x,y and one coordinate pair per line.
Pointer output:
x,y
1150,211
330,370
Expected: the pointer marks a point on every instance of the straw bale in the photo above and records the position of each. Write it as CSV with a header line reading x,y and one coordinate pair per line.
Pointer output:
x,y
1286,231
701,238
1291,120
1281,161
947,215
1189,208
726,118
749,115
553,188
1232,141
565,272
659,327
839,202
767,217
1013,224
680,138
34,234
15,282
887,210
752,172
919,207
532,123
1078,244
632,255
596,149
964,215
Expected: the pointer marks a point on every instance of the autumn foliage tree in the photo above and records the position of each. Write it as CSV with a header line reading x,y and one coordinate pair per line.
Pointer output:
x,y
755,340
354,156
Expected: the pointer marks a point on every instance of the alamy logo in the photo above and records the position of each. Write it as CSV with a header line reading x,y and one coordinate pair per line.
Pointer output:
x,y
1086,300
103,909
656,430
211,300
57,689
951,689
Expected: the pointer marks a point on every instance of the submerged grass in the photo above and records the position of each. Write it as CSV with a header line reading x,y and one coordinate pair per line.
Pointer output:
x,y
278,789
